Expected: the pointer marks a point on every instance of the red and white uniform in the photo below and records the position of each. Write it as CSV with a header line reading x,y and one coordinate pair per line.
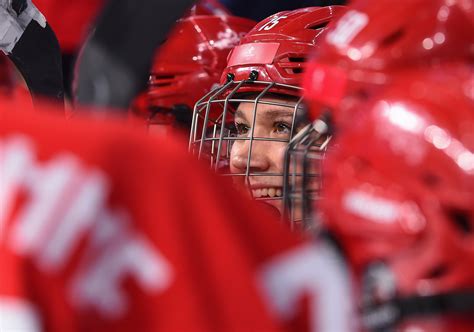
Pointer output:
x,y
103,229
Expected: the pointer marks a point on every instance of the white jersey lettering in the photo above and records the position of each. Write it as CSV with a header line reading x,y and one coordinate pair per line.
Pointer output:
x,y
317,272
66,203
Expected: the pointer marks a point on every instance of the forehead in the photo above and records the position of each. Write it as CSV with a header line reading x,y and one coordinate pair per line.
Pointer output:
x,y
281,105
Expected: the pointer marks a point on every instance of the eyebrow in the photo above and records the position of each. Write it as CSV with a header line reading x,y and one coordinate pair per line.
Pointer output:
x,y
269,114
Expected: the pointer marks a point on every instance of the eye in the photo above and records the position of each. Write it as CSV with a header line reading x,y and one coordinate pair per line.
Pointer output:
x,y
241,129
282,128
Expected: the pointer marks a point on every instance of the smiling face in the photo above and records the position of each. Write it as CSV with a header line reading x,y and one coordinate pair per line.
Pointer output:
x,y
257,155
245,135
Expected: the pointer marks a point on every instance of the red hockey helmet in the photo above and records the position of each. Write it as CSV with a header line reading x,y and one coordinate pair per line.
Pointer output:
x,y
375,40
188,64
278,47
399,198
263,76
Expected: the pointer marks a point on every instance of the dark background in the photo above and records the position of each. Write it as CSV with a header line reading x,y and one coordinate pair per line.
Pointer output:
x,y
260,9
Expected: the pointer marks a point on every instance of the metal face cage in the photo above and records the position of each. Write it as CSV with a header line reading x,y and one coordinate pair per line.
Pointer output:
x,y
302,176
216,136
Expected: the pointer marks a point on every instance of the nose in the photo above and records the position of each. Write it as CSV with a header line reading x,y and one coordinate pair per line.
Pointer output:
x,y
250,154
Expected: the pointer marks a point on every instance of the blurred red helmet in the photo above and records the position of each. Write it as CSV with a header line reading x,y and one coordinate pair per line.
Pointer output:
x,y
266,68
399,198
188,64
376,39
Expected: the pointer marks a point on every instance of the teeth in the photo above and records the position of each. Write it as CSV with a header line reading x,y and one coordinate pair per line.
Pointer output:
x,y
271,192
267,192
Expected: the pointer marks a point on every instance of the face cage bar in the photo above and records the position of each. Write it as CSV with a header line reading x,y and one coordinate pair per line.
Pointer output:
x,y
213,136
302,176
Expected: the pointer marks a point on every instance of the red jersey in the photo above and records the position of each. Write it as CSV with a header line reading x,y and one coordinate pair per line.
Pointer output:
x,y
106,229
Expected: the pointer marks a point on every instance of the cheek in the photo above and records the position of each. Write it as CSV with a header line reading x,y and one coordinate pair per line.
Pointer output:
x,y
276,152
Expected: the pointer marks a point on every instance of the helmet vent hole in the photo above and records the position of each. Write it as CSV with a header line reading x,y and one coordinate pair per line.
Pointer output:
x,y
392,38
461,220
164,77
161,80
437,272
297,59
161,85
293,64
318,26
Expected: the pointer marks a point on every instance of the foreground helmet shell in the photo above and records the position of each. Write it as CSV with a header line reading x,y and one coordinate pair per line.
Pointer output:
x,y
399,197
375,40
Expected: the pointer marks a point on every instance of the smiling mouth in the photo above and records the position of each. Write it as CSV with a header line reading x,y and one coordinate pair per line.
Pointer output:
x,y
267,192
